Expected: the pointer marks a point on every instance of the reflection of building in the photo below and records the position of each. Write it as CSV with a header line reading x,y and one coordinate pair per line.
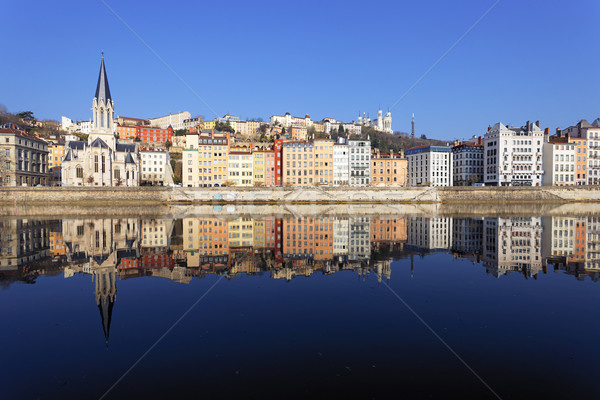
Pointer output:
x,y
359,238
513,244
467,235
23,241
430,233
156,232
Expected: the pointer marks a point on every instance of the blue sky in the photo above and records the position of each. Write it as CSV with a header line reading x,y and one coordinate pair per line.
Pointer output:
x,y
526,60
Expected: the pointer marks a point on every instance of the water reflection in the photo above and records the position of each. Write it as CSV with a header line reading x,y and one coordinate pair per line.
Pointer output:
x,y
287,247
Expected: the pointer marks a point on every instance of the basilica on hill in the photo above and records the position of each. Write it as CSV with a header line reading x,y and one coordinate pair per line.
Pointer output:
x,y
102,160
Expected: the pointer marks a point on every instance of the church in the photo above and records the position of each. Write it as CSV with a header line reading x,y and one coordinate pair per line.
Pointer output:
x,y
102,160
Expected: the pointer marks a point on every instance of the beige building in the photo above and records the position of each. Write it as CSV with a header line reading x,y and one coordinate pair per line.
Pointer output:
x,y
240,167
23,159
323,149
259,159
298,167
205,159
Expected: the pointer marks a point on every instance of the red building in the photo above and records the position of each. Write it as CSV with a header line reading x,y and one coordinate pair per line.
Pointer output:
x,y
149,134
278,148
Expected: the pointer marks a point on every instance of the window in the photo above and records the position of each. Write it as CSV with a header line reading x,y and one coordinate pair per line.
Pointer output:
x,y
79,171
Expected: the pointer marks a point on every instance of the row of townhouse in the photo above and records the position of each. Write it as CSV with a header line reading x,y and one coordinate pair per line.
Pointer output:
x,y
512,156
210,159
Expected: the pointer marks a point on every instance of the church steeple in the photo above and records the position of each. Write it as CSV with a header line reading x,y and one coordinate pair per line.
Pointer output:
x,y
103,106
102,89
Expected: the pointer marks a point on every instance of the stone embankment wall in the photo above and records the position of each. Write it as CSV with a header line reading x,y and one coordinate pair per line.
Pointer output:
x,y
144,196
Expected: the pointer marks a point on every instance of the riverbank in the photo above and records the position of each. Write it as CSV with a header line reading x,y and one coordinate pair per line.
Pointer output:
x,y
156,196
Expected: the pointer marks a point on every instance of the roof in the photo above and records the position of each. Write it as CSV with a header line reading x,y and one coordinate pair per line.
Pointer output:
x,y
124,147
99,143
68,156
129,159
102,90
76,145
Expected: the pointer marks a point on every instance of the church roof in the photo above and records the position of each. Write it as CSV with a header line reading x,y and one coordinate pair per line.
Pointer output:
x,y
129,159
76,145
99,143
125,147
68,156
102,90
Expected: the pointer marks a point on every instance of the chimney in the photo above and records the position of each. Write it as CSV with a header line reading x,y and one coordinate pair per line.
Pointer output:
x,y
489,128
558,132
391,153
538,123
528,126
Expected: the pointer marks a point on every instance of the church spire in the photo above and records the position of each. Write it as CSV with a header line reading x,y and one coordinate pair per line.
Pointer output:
x,y
102,90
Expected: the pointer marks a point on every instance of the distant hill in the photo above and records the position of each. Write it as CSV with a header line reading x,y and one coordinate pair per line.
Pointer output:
x,y
398,141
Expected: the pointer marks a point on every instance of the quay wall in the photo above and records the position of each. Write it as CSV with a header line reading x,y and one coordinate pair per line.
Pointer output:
x,y
146,196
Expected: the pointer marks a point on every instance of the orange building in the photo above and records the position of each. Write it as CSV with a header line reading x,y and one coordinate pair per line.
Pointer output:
x,y
57,245
580,160
308,237
388,169
125,131
298,133
323,150
388,230
149,134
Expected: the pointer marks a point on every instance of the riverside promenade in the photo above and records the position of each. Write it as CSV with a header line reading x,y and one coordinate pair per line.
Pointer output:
x,y
145,196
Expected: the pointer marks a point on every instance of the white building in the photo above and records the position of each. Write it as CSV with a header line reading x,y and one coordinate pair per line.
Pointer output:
x,y
429,166
559,164
288,120
102,160
360,162
382,124
513,156
155,167
341,164
330,125
176,121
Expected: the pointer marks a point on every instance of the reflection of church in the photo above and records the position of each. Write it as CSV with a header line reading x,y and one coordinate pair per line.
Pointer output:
x,y
99,247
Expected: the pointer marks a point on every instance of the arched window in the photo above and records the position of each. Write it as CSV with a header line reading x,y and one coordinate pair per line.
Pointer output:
x,y
95,163
79,171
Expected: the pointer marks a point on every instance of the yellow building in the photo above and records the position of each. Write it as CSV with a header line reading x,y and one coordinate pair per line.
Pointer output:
x,y
56,152
241,232
240,167
323,149
208,124
258,159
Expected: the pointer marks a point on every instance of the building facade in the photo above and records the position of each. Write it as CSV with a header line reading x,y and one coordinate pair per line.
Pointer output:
x,y
388,169
156,167
559,162
205,159
429,166
513,156
360,162
23,159
341,164
175,121
467,163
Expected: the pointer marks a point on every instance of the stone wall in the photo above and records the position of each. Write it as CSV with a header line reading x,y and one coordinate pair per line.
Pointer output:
x,y
140,196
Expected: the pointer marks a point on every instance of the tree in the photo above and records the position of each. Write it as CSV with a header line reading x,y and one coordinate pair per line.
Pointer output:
x,y
90,179
137,139
224,127
283,130
180,132
168,144
27,117
5,165
423,136
341,129
119,182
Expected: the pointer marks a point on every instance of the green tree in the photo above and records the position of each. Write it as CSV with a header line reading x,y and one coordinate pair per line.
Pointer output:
x,y
27,116
224,127
168,144
341,129
180,132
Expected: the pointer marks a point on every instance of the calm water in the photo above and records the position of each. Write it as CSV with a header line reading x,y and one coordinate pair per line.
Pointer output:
x,y
302,306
